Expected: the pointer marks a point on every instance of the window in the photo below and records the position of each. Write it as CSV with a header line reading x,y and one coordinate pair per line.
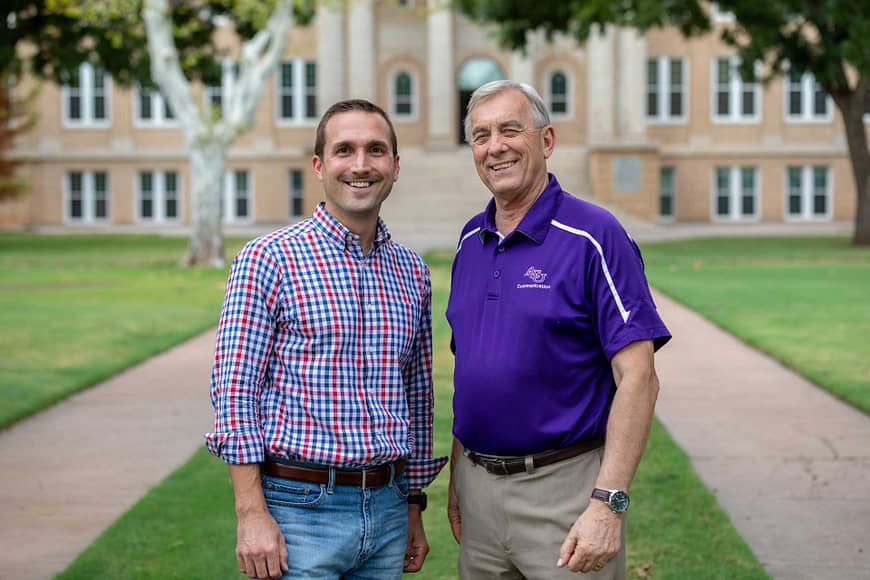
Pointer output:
x,y
808,193
666,89
558,94
667,192
217,95
151,109
158,196
296,194
735,192
87,194
404,105
297,91
805,99
236,196
735,99
86,97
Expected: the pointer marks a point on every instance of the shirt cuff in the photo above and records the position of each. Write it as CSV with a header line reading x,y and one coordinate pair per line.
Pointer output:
x,y
236,448
422,472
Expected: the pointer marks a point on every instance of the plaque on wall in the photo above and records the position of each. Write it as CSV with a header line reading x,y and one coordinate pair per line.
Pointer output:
x,y
627,172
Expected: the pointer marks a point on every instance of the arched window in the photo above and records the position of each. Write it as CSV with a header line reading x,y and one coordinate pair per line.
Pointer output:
x,y
403,95
558,86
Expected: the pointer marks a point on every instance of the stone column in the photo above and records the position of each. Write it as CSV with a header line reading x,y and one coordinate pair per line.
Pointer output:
x,y
631,86
331,56
441,80
362,69
600,71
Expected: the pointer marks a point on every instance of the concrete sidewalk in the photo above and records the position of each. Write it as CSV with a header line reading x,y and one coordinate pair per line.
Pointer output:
x,y
73,469
788,462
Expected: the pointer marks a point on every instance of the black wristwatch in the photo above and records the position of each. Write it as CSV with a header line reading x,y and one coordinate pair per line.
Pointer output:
x,y
419,499
616,499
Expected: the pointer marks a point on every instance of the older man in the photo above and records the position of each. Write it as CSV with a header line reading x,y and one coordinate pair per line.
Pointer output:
x,y
554,330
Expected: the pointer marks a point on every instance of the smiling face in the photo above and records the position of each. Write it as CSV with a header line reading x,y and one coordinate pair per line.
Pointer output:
x,y
358,167
510,153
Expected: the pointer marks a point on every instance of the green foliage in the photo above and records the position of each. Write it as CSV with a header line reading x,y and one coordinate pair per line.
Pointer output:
x,y
65,33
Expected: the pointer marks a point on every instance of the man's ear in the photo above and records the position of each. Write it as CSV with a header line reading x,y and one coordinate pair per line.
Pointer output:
x,y
317,166
548,134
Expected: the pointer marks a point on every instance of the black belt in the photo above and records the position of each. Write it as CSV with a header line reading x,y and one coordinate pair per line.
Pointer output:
x,y
511,465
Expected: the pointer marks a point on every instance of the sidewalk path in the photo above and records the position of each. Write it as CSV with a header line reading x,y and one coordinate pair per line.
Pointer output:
x,y
72,470
788,462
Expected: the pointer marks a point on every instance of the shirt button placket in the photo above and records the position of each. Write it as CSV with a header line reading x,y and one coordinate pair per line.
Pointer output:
x,y
494,290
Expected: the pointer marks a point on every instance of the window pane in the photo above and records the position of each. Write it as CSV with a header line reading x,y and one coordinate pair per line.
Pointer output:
x,y
403,85
75,107
287,75
311,106
794,190
99,108
144,104
820,102
723,71
75,195
748,105
795,102
558,84
167,110
666,191
310,75
676,104
286,106
652,88
241,183
146,182
170,181
723,103
723,191
241,207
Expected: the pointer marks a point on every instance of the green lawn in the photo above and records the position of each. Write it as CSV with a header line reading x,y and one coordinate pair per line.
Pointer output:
x,y
805,301
78,309
184,528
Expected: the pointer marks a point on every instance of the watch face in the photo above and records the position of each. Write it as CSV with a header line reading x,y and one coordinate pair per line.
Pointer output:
x,y
619,501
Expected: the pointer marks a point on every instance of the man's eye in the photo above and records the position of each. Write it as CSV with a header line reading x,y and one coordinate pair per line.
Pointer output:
x,y
480,139
378,150
510,132
342,150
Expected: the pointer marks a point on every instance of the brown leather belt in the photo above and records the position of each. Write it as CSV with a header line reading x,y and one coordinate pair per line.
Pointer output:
x,y
499,465
365,478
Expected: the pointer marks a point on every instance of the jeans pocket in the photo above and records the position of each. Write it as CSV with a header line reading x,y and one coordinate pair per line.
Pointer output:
x,y
400,486
288,493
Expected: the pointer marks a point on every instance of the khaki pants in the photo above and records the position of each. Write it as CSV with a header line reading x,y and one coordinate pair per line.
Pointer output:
x,y
514,525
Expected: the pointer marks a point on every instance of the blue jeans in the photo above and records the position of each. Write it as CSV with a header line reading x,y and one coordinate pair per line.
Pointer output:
x,y
341,531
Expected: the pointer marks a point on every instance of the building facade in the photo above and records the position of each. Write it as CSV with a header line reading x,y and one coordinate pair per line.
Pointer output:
x,y
653,125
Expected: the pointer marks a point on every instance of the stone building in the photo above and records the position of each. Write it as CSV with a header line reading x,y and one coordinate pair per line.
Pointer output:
x,y
652,125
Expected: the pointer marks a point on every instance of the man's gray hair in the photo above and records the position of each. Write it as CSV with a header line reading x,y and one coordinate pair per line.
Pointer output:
x,y
539,110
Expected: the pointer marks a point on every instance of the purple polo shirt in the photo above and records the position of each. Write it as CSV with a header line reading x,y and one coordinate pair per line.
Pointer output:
x,y
536,318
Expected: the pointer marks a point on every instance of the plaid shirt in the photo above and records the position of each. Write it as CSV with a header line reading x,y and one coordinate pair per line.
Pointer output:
x,y
324,354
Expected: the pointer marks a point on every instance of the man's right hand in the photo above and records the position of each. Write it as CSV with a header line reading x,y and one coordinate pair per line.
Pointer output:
x,y
260,547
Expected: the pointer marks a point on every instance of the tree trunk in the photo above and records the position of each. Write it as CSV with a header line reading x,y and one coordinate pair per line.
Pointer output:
x,y
852,109
206,240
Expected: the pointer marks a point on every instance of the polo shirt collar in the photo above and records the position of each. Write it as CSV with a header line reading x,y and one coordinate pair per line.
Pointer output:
x,y
338,234
536,223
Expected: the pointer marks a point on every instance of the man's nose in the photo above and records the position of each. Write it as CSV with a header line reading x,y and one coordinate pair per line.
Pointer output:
x,y
496,142
360,161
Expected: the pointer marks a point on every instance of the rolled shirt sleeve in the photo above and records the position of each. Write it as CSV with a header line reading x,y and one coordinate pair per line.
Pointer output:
x,y
245,338
417,375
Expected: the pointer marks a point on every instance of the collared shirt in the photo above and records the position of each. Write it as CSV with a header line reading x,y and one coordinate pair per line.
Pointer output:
x,y
537,317
324,353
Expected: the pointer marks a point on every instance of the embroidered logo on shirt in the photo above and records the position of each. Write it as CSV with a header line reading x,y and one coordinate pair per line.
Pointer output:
x,y
537,276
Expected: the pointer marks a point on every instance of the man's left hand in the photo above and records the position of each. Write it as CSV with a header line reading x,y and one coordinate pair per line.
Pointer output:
x,y
594,539
418,547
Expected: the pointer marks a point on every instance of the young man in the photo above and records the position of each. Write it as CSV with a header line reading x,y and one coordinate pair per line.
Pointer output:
x,y
554,330
322,382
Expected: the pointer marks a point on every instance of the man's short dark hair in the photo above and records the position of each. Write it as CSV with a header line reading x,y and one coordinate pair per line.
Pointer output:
x,y
346,107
